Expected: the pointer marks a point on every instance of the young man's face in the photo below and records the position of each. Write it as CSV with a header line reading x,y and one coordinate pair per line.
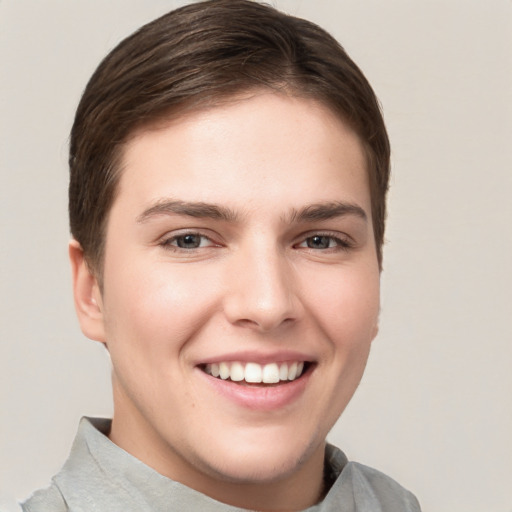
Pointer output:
x,y
240,239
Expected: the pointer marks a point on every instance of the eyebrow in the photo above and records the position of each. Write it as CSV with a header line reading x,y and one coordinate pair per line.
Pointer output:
x,y
310,213
189,209
326,211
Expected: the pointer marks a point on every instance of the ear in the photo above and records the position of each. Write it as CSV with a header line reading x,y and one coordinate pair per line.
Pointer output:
x,y
87,295
376,326
375,330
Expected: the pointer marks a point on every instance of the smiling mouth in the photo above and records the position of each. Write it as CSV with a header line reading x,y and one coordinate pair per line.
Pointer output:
x,y
254,373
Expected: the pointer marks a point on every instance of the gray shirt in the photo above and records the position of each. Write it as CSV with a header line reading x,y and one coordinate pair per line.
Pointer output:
x,y
100,476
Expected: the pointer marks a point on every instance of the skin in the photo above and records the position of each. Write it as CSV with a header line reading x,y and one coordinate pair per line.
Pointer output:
x,y
258,285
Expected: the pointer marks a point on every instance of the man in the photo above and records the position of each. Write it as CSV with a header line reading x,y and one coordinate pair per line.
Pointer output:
x,y
229,168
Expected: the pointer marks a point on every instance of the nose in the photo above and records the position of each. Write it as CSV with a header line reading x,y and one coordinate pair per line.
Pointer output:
x,y
262,290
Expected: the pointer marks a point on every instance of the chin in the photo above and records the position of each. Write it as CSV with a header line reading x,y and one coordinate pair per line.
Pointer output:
x,y
257,470
257,462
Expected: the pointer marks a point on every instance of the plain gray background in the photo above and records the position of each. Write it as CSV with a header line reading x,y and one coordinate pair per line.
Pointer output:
x,y
434,409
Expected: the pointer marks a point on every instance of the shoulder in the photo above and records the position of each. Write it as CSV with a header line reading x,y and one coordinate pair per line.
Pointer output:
x,y
372,486
79,467
45,500
360,488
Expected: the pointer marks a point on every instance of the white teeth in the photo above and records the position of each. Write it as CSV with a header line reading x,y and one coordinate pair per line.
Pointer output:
x,y
237,372
270,373
215,370
224,370
255,373
292,371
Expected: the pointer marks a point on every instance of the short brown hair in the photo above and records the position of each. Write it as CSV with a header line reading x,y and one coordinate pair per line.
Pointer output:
x,y
194,57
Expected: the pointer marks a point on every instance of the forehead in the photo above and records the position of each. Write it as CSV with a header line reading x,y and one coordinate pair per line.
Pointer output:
x,y
260,146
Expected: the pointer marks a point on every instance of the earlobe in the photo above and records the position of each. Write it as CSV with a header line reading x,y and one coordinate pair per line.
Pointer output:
x,y
87,295
376,326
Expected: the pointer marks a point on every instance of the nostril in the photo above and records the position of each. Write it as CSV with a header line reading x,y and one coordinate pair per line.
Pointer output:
x,y
245,322
263,323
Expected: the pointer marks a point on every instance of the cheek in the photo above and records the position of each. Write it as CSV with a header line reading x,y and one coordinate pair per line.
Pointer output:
x,y
157,309
347,307
149,317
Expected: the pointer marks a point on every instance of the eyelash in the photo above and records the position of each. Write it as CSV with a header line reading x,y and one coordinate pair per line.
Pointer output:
x,y
171,242
339,243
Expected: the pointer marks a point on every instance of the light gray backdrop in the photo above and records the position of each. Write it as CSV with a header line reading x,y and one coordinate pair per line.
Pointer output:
x,y
434,409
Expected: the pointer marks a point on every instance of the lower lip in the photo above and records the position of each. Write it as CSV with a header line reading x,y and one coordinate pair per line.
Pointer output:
x,y
262,398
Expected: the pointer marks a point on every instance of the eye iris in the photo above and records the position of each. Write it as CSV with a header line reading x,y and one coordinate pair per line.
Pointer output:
x,y
318,242
188,241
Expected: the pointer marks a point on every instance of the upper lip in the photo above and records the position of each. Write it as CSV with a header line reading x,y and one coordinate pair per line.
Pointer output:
x,y
259,357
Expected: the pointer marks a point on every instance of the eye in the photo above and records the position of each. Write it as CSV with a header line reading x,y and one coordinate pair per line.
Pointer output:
x,y
187,241
320,242
324,241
